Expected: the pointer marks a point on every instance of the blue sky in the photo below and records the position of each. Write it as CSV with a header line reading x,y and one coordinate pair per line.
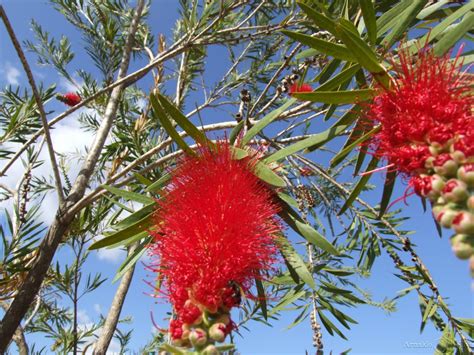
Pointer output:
x,y
376,333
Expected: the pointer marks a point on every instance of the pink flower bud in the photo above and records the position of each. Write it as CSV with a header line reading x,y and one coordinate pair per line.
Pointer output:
x,y
217,332
464,223
462,246
445,217
455,191
198,337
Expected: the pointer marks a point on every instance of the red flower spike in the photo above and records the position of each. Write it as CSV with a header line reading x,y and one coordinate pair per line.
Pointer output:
x,y
428,103
296,88
70,98
215,230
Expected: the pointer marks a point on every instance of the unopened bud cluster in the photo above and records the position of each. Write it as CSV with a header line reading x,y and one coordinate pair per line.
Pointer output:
x,y
199,330
448,182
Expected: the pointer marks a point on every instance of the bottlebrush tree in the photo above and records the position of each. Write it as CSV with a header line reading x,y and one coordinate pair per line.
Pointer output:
x,y
232,156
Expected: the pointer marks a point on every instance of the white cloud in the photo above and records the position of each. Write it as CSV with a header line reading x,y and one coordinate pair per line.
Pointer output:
x,y
69,140
98,308
83,317
111,255
68,86
11,73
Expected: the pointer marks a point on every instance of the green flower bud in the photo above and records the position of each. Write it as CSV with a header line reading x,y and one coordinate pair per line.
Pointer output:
x,y
466,174
462,246
458,156
445,218
211,350
455,191
217,332
464,223
444,165
198,337
470,203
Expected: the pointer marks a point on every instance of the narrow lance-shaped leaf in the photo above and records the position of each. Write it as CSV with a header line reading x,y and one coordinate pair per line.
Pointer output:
x,y
294,259
162,116
336,97
265,121
404,22
359,186
182,120
344,152
128,195
454,35
331,49
368,13
387,191
316,140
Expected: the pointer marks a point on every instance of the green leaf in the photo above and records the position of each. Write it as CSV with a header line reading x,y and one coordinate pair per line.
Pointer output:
x,y
234,133
447,342
182,120
336,97
131,259
124,234
391,17
172,349
330,327
262,300
331,49
344,152
290,297
135,217
162,116
316,140
142,179
342,77
305,230
318,18
315,238
387,191
266,174
128,195
428,10
368,13
301,317
265,121
296,262
404,22
364,54
158,184
428,309
359,186
454,35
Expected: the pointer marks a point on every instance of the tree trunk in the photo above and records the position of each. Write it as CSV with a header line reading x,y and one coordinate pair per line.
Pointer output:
x,y
114,313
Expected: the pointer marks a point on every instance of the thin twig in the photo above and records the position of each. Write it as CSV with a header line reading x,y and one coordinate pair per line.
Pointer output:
x,y
39,103
275,76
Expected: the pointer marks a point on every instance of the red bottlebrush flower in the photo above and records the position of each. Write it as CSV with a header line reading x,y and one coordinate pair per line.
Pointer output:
x,y
176,329
297,88
428,104
215,230
70,98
